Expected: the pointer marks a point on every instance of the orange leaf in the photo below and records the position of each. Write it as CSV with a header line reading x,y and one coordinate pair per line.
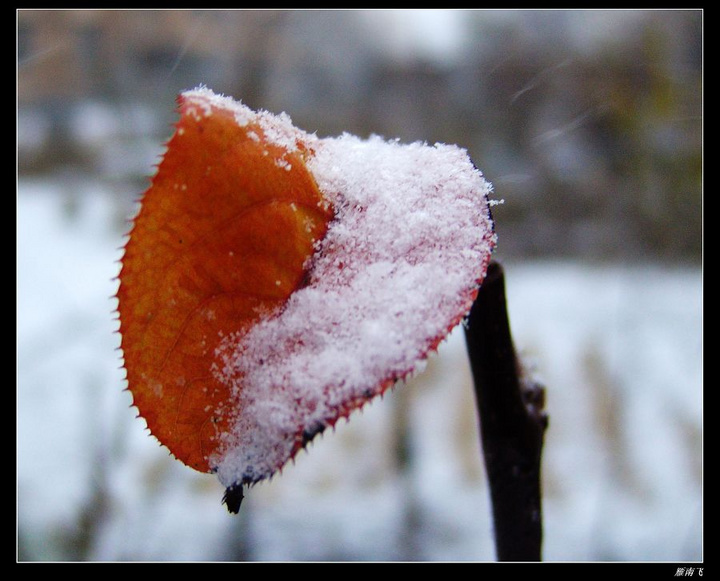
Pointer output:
x,y
222,240
274,282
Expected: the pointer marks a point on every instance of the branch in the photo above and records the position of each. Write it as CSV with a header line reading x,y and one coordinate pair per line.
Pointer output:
x,y
512,424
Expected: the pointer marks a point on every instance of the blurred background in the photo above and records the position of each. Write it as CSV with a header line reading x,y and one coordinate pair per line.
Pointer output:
x,y
589,125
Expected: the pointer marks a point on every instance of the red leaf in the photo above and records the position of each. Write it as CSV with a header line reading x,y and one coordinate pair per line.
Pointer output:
x,y
274,281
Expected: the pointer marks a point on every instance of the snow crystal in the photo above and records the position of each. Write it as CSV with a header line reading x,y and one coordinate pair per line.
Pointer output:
x,y
397,269
278,129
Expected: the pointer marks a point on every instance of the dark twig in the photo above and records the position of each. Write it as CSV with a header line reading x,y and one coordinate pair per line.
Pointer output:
x,y
512,424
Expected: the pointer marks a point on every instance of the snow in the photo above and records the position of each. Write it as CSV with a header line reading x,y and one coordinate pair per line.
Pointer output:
x,y
278,129
619,348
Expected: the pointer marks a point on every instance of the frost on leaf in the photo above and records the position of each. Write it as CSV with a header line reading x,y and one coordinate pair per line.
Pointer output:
x,y
274,281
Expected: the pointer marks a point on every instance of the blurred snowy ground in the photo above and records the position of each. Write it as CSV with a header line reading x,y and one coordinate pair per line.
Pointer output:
x,y
619,348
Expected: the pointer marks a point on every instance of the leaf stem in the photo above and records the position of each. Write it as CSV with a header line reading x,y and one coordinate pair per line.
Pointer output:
x,y
512,423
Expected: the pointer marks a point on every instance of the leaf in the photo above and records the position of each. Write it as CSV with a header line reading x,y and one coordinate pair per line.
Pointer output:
x,y
221,240
274,281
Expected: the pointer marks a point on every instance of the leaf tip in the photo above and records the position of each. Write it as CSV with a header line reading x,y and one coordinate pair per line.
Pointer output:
x,y
233,498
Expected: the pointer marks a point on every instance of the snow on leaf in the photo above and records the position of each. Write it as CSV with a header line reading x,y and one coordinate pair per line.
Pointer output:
x,y
274,281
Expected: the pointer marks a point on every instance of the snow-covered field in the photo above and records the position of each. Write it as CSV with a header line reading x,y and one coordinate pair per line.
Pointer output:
x,y
619,348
